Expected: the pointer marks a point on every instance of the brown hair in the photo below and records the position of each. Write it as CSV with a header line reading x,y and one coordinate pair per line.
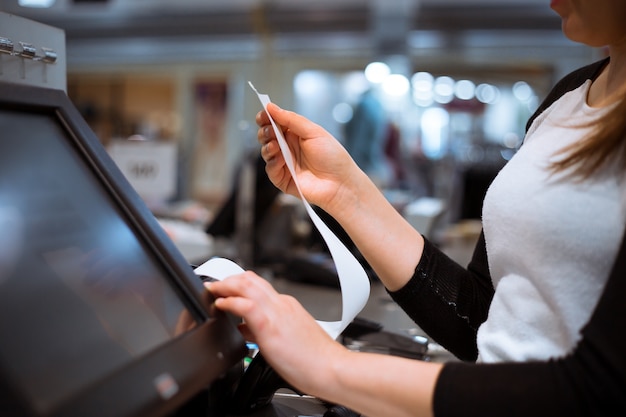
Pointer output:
x,y
606,144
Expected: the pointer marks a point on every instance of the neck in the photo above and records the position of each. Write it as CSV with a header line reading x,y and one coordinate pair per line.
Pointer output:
x,y
611,84
616,71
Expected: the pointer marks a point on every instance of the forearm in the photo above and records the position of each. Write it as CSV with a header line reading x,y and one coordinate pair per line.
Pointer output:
x,y
380,385
390,244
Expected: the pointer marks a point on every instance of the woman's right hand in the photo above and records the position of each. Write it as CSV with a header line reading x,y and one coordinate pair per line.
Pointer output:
x,y
324,169
329,178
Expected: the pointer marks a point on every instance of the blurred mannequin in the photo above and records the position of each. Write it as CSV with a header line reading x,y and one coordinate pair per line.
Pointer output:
x,y
365,136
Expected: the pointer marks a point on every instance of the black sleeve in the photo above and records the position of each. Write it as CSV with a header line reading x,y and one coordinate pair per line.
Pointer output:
x,y
590,381
447,301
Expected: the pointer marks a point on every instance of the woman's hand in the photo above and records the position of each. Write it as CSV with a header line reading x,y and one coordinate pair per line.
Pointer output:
x,y
324,169
330,179
312,362
291,340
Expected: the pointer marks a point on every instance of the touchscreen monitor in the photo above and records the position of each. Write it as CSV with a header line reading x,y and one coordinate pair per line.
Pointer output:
x,y
99,313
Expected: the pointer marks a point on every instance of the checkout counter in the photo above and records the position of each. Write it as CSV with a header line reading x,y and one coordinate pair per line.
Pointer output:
x,y
100,311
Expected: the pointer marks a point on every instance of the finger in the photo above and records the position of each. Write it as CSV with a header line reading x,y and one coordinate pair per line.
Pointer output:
x,y
246,284
265,134
257,315
266,128
270,150
244,295
272,154
261,135
277,170
265,151
262,118
239,306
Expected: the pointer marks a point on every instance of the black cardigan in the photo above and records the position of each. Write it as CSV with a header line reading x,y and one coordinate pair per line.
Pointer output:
x,y
450,302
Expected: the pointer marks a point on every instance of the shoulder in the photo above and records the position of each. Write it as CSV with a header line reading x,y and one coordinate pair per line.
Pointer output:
x,y
570,82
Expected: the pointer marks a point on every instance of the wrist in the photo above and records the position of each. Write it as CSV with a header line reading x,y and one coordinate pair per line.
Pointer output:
x,y
332,375
351,195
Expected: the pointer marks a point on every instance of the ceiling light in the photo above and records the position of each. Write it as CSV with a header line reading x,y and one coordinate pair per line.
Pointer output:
x,y
36,3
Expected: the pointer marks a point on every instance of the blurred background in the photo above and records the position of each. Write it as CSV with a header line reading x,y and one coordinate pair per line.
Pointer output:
x,y
431,97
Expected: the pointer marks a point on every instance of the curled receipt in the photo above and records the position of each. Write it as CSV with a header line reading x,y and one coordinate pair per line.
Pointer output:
x,y
354,282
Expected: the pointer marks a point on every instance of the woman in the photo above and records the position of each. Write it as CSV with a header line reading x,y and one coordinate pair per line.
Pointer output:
x,y
540,305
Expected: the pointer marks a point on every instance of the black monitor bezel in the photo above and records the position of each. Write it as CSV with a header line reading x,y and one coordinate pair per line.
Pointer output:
x,y
194,355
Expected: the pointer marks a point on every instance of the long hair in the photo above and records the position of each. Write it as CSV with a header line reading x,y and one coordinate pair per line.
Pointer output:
x,y
606,144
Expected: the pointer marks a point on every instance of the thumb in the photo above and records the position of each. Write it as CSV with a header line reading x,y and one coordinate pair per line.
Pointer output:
x,y
288,120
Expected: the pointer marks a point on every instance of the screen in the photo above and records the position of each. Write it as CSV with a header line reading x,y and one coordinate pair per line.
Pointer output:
x,y
71,267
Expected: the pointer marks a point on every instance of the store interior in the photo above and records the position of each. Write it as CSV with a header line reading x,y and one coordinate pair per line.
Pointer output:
x,y
165,87
456,82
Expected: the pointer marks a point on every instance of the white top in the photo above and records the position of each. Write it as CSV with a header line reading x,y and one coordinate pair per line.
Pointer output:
x,y
551,241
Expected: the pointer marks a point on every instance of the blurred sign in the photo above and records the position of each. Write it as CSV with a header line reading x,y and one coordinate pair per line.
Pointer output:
x,y
150,167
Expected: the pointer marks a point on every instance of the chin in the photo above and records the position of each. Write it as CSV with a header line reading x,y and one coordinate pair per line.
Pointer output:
x,y
574,33
585,39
